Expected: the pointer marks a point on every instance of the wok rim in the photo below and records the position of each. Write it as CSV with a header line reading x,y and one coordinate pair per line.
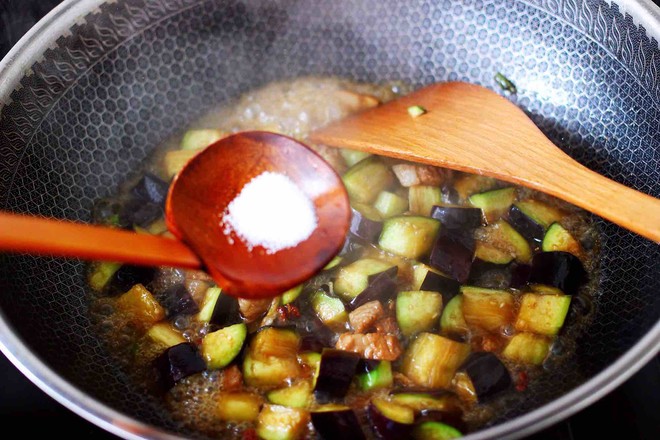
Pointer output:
x,y
16,64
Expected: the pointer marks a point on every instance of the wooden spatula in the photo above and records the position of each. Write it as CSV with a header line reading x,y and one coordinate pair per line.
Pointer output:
x,y
471,128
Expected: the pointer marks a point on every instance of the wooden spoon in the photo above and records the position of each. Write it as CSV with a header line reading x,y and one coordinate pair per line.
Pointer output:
x,y
196,201
471,128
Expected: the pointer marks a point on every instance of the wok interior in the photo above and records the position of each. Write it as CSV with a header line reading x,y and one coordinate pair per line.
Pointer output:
x,y
136,72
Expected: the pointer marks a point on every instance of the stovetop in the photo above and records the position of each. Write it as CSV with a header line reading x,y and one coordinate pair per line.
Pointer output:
x,y
629,412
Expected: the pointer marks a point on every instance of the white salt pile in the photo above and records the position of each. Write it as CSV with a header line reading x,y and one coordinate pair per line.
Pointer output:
x,y
270,211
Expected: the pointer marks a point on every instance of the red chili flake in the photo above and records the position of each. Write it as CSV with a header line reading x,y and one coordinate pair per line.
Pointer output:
x,y
288,311
250,434
521,383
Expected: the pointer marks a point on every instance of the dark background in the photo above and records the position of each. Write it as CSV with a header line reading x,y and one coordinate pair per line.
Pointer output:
x,y
632,411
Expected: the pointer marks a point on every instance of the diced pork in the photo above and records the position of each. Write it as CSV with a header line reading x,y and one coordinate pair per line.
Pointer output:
x,y
365,316
376,346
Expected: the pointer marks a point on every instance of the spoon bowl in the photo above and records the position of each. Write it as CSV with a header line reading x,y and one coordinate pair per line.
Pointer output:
x,y
203,189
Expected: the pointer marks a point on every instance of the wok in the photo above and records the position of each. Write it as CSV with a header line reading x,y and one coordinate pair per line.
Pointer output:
x,y
91,90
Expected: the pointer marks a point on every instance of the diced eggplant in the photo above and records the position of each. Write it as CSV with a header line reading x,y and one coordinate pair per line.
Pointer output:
x,y
427,402
365,225
540,212
208,304
177,301
501,236
163,333
351,157
140,307
152,189
409,236
336,373
373,374
219,348
520,274
298,395
452,321
276,422
417,311
562,270
127,276
559,239
468,184
435,431
175,160
491,254
522,223
292,294
487,309
178,362
101,274
226,311
354,278
333,263
489,376
136,212
389,204
238,407
271,359
542,313
494,203
390,420
339,423
200,138
381,287
275,342
457,217
452,253
422,199
431,360
330,310
435,282
366,179
527,348
489,275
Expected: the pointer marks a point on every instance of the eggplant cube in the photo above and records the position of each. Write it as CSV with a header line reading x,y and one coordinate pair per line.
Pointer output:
x,y
452,253
277,422
336,424
178,362
527,348
543,314
336,373
488,375
432,360
562,270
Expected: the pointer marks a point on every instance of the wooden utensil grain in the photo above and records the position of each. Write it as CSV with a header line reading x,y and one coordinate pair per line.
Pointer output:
x,y
470,128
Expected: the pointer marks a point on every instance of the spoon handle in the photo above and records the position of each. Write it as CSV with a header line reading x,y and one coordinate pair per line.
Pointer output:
x,y
43,236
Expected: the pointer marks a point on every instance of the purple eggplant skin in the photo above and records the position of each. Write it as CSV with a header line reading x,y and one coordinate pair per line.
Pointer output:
x,y
127,276
488,374
385,428
489,275
381,286
177,301
341,424
452,253
336,373
137,212
435,282
527,227
151,188
457,217
226,312
363,227
520,275
177,362
562,270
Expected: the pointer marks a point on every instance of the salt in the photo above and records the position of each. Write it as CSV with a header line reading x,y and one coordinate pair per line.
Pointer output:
x,y
270,211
